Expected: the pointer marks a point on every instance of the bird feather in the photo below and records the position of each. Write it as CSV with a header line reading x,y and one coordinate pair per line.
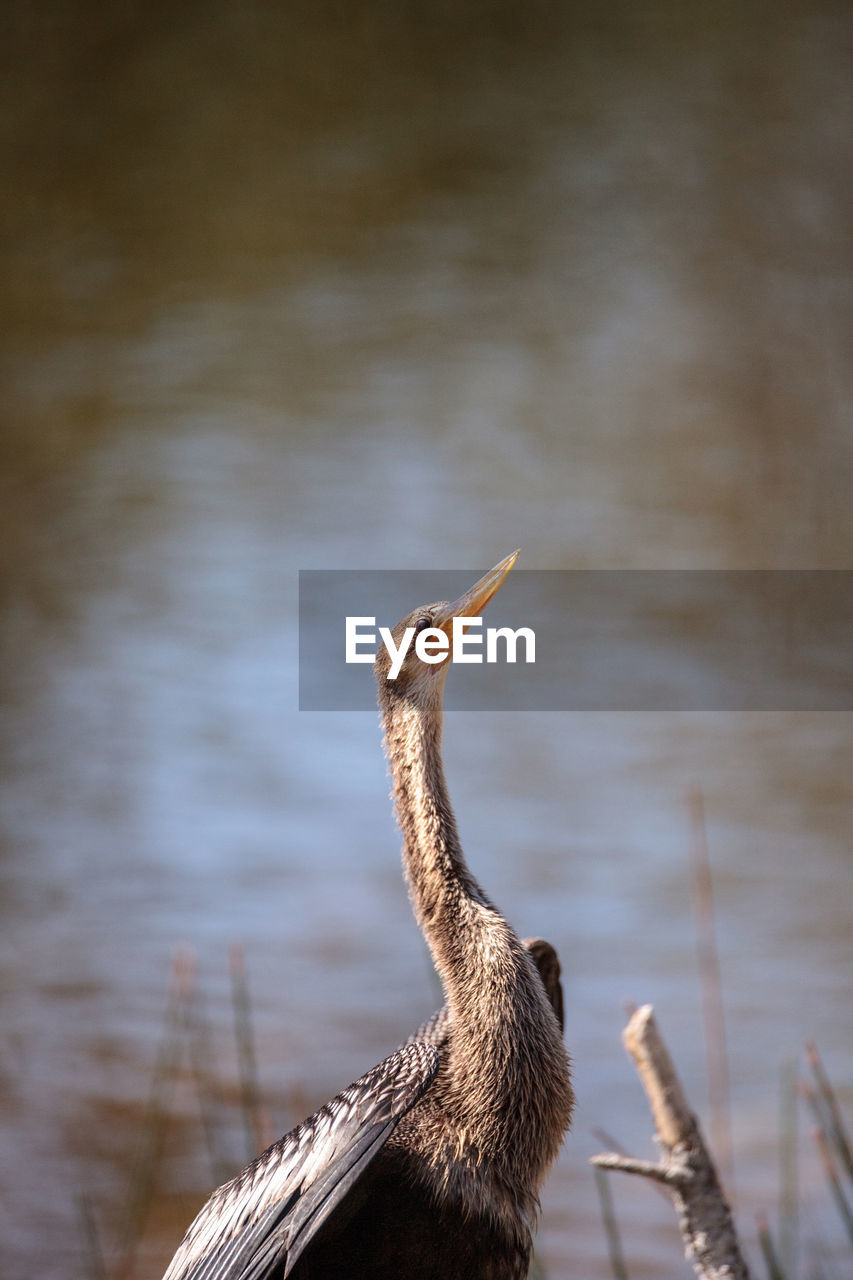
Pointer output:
x,y
265,1217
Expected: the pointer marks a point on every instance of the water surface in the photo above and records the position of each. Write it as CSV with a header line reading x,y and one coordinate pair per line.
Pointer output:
x,y
402,289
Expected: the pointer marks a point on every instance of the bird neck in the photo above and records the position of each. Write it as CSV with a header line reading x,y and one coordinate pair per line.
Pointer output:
x,y
506,1079
450,906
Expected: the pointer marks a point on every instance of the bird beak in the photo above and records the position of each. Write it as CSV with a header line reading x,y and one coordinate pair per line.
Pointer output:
x,y
474,601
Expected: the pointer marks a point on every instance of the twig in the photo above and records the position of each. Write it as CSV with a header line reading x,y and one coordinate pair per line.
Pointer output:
x,y
711,985
710,1241
611,1226
607,1140
645,1168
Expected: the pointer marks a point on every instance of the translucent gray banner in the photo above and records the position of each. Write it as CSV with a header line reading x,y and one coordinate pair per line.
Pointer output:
x,y
605,640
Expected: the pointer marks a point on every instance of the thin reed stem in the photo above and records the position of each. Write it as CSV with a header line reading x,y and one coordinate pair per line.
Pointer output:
x,y
834,1123
611,1226
711,985
788,1167
211,1103
834,1181
774,1267
142,1181
91,1239
249,1088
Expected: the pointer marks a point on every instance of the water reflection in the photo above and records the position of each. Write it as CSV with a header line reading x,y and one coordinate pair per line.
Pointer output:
x,y
356,289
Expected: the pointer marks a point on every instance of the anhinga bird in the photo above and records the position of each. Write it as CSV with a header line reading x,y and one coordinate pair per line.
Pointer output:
x,y
430,1164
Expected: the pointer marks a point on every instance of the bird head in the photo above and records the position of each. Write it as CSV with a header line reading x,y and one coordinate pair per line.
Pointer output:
x,y
406,675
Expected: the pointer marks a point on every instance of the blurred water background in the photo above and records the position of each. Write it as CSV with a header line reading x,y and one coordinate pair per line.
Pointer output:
x,y
403,286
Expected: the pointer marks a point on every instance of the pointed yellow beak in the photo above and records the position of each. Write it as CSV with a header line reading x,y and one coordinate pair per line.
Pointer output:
x,y
474,601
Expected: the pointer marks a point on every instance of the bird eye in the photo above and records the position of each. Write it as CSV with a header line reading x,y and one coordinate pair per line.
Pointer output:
x,y
422,624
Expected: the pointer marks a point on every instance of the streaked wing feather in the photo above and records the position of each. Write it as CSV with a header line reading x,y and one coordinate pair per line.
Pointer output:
x,y
434,1031
314,1207
270,1211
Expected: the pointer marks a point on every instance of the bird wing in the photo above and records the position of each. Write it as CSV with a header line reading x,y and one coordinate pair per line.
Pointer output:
x,y
548,963
434,1031
268,1214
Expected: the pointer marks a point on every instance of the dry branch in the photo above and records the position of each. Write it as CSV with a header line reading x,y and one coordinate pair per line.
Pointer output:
x,y
686,1168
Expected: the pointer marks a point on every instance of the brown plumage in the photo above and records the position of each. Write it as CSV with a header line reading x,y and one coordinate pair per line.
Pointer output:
x,y
430,1166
